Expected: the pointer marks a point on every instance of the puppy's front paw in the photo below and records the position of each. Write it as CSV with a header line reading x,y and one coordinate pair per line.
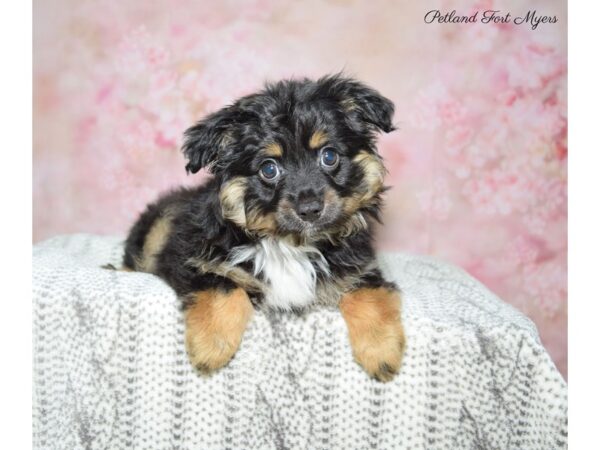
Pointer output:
x,y
375,329
215,323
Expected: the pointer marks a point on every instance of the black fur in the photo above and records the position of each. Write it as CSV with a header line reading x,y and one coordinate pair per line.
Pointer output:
x,y
230,143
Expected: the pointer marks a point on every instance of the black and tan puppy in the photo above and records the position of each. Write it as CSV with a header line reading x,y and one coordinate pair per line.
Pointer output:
x,y
286,221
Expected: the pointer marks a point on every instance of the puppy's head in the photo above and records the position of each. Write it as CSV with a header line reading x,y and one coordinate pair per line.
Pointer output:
x,y
297,158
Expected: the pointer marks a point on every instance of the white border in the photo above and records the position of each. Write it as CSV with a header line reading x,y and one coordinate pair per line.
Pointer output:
x,y
15,261
584,222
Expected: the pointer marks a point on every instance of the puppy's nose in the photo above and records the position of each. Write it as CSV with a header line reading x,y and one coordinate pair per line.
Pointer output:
x,y
309,209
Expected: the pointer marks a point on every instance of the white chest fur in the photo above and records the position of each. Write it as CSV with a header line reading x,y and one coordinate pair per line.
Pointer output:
x,y
289,271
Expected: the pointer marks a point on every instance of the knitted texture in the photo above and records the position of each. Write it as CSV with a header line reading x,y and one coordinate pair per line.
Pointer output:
x,y
110,368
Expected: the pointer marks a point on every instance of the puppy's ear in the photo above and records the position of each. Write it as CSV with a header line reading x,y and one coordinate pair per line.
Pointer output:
x,y
362,102
207,139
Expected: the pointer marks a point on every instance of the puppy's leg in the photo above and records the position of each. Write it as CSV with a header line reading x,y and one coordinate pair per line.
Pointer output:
x,y
372,315
215,322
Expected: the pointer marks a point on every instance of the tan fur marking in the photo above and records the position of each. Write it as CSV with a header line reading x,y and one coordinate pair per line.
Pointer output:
x,y
261,223
373,169
355,221
317,139
372,183
233,207
215,324
354,224
222,268
273,149
153,244
330,198
232,201
375,330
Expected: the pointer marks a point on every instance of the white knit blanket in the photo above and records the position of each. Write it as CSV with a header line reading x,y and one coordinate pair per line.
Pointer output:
x,y
111,372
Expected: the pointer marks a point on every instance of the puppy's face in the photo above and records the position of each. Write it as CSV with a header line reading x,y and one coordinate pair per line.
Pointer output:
x,y
298,158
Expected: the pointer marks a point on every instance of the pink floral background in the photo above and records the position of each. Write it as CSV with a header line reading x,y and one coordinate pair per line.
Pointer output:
x,y
478,165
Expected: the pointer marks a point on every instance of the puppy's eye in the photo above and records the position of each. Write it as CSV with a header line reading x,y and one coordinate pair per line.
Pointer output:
x,y
329,158
269,170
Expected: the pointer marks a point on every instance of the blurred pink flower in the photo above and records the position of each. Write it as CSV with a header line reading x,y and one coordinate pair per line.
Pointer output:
x,y
435,201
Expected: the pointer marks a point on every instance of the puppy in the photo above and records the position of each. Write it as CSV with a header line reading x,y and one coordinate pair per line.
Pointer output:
x,y
286,222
